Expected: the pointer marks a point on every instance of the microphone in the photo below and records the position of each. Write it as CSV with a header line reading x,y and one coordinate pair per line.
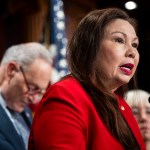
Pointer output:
x,y
149,99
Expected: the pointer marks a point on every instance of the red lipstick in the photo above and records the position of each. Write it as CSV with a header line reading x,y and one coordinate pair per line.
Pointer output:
x,y
127,68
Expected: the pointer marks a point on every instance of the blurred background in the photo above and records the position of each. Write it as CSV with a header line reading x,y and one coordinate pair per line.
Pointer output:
x,y
52,22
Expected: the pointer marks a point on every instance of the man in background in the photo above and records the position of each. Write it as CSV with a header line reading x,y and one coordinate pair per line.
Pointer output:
x,y
25,73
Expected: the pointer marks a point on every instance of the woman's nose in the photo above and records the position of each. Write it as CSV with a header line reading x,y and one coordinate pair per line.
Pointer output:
x,y
143,116
131,52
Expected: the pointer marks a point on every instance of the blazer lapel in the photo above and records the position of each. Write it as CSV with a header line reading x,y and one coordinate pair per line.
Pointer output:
x,y
131,121
9,131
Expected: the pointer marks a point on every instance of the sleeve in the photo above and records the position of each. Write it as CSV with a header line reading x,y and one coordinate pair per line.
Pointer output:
x,y
59,123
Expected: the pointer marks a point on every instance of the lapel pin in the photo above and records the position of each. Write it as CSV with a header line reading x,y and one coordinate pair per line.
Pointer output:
x,y
122,108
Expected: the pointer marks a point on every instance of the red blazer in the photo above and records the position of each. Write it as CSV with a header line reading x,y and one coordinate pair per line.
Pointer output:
x,y
67,120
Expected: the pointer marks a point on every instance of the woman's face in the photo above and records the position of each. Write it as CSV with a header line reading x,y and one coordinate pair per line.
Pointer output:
x,y
118,57
141,112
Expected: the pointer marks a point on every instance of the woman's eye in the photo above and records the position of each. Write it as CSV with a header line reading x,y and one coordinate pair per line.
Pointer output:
x,y
148,111
119,40
135,111
135,45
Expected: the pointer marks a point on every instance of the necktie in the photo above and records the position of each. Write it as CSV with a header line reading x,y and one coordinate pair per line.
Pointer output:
x,y
21,127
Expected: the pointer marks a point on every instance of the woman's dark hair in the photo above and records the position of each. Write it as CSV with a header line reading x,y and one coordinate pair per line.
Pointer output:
x,y
82,53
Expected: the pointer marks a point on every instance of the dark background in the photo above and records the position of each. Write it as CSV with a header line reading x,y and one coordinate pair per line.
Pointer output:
x,y
28,20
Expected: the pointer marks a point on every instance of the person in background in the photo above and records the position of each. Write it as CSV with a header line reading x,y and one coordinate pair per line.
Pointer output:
x,y
26,70
34,106
138,100
86,110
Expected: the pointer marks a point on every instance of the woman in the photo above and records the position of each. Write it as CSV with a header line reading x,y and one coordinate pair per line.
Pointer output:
x,y
85,111
139,103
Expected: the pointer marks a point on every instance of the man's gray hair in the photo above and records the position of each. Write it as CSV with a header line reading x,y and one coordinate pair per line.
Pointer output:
x,y
26,53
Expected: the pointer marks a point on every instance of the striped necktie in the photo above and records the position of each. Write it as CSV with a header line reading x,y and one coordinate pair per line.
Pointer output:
x,y
21,127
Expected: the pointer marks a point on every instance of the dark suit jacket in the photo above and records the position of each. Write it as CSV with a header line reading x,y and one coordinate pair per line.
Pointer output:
x,y
9,138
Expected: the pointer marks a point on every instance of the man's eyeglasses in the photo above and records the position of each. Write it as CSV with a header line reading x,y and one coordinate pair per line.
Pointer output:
x,y
32,89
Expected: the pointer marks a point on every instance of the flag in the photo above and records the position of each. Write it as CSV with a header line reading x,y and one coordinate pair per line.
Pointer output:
x,y
58,40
